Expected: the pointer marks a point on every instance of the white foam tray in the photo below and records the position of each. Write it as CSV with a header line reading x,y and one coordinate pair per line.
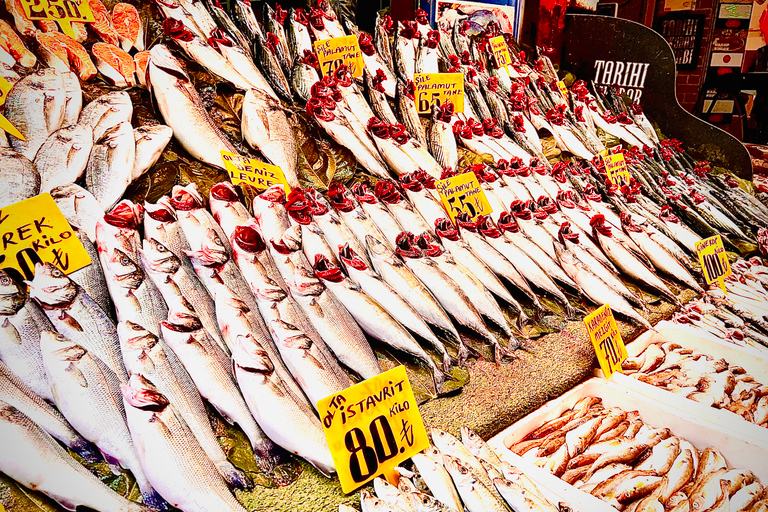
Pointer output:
x,y
739,449
753,361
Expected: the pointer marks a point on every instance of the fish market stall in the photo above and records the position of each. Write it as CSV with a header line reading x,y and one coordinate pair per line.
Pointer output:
x,y
221,219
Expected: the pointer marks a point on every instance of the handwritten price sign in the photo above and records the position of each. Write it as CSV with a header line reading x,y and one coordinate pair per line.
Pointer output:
x,y
714,260
500,51
63,12
372,427
606,339
259,175
436,89
463,194
5,124
332,53
563,90
35,231
616,169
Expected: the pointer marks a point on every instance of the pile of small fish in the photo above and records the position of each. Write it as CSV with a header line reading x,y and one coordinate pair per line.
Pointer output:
x,y
702,378
615,456
738,316
456,476
66,142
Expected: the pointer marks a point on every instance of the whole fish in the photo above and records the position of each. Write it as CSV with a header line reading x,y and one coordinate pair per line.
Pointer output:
x,y
334,323
440,138
625,260
479,448
658,255
270,214
194,219
208,366
265,50
406,109
452,447
288,420
91,278
437,478
164,441
297,33
304,75
384,28
595,288
76,316
477,497
404,51
266,128
520,497
274,20
21,324
227,210
381,292
392,495
183,111
63,157
150,140
37,461
110,166
20,176
371,316
87,393
16,393
375,61
36,106
106,112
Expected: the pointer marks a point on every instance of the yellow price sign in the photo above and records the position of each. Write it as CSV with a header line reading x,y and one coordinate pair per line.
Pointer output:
x,y
714,260
35,231
606,339
372,427
437,88
616,169
259,175
5,124
463,194
63,12
332,53
563,89
500,51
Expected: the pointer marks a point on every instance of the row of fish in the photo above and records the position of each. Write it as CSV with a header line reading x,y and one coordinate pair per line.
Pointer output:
x,y
455,475
702,378
66,142
615,456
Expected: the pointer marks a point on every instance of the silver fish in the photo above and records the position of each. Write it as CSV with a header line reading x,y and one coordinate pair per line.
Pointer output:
x,y
110,166
381,39
183,111
74,95
151,140
297,34
31,456
371,503
170,455
106,112
62,158
288,420
19,175
17,394
161,223
76,316
406,109
479,448
303,77
266,128
392,495
21,323
35,106
227,210
437,478
477,497
91,278
119,229
194,219
269,212
404,52
441,140
265,52
79,207
87,393
451,447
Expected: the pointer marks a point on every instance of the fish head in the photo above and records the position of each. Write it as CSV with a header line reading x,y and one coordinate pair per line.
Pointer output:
x,y
126,272
182,316
274,194
376,248
60,347
12,295
161,59
292,238
462,476
158,258
350,259
424,502
125,215
51,287
248,238
186,198
385,490
212,252
142,394
432,454
404,484
222,196
471,440
443,440
135,337
248,355
371,503
48,79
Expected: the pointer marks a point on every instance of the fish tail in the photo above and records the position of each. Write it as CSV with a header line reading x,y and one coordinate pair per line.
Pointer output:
x,y
236,478
522,319
500,352
446,362
155,501
463,353
86,450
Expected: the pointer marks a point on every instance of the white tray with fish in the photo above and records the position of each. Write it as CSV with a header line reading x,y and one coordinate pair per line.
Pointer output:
x,y
752,361
678,332
738,449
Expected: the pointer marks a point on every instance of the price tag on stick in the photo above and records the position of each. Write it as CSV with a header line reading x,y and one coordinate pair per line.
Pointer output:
x,y
259,175
606,339
332,53
372,427
437,88
500,51
616,169
714,260
5,124
463,194
35,231
63,12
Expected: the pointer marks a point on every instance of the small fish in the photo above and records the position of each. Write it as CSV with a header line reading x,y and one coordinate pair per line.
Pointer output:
x,y
477,497
170,454
110,165
63,157
437,478
150,140
106,112
20,176
63,53
115,64
479,448
129,27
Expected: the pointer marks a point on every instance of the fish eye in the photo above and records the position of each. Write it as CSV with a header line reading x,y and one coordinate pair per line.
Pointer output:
x,y
5,281
161,248
57,273
125,261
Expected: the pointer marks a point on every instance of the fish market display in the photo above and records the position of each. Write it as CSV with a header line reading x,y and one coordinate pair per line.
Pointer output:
x,y
617,457
699,377
189,357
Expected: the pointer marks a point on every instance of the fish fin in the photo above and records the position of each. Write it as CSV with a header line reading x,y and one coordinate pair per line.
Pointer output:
x,y
154,501
233,476
15,337
463,353
447,360
70,321
76,374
